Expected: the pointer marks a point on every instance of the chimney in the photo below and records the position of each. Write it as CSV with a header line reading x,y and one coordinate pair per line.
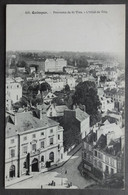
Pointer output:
x,y
74,106
84,108
110,136
40,113
15,119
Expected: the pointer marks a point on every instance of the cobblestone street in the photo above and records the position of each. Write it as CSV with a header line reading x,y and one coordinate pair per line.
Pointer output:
x,y
61,176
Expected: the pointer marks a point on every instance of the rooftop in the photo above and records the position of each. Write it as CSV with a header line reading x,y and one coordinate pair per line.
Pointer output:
x,y
61,108
11,130
114,147
90,138
81,115
26,121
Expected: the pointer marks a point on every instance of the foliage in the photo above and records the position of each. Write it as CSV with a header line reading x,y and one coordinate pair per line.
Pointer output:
x,y
93,72
103,78
67,88
30,91
64,98
86,94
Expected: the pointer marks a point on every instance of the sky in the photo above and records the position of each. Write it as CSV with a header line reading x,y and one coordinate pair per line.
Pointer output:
x,y
47,28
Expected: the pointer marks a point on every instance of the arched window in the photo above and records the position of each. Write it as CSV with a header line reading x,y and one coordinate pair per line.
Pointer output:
x,y
42,158
51,156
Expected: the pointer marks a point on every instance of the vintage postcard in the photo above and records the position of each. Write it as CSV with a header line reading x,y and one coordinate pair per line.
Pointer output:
x,y
65,97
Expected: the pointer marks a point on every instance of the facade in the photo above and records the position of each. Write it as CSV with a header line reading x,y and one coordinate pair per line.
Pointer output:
x,y
49,97
21,69
106,104
71,82
38,143
56,111
80,118
55,65
69,69
13,90
102,157
11,155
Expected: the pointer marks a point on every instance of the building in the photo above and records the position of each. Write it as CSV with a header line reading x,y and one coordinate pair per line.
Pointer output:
x,y
57,84
69,69
32,69
21,69
33,142
48,97
71,82
11,145
106,104
76,124
55,65
102,156
56,111
13,90
60,64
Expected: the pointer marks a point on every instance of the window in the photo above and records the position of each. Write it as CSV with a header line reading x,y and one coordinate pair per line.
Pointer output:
x,y
42,144
51,156
25,149
25,138
111,161
42,158
12,153
100,164
90,148
51,130
51,141
95,153
33,146
12,141
42,133
112,171
95,162
84,145
107,171
58,137
107,159
34,135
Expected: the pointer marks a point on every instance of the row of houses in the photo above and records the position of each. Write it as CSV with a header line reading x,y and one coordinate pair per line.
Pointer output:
x,y
103,151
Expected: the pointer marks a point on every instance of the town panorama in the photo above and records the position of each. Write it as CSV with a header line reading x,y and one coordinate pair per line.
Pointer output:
x,y
64,120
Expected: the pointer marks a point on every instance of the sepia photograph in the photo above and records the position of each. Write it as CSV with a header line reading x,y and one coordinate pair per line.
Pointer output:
x,y
65,96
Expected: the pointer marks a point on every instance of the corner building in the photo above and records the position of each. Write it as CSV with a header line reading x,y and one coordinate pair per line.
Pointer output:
x,y
37,143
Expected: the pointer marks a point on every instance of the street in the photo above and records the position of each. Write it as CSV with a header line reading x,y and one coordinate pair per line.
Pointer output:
x,y
61,176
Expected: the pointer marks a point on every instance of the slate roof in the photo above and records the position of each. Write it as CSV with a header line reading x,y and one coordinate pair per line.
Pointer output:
x,y
90,138
109,118
114,147
11,130
101,143
61,108
81,115
26,121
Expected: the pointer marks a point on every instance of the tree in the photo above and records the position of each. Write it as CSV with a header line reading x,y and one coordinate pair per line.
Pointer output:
x,y
86,94
103,78
67,88
44,87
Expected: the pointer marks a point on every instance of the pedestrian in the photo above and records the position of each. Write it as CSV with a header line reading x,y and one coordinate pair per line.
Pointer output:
x,y
41,186
65,171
